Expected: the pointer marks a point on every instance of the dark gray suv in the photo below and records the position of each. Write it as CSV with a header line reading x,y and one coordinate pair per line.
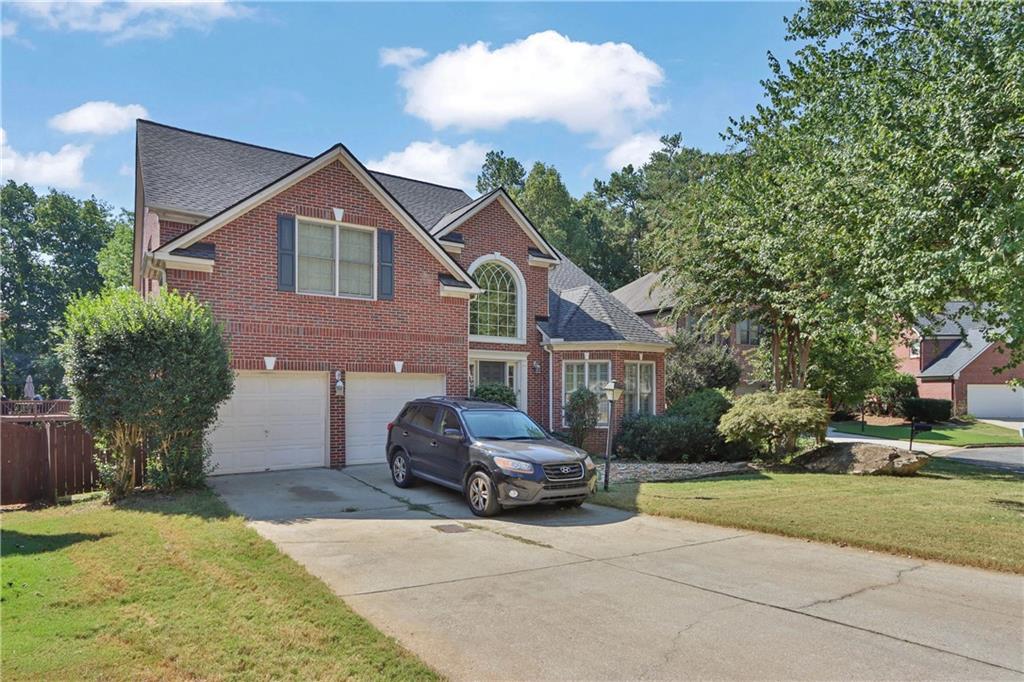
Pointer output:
x,y
494,454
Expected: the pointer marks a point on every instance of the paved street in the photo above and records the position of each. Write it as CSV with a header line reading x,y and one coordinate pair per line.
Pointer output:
x,y
597,593
1011,458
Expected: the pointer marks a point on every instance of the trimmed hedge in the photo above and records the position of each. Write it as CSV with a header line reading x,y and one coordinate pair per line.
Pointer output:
x,y
927,409
707,403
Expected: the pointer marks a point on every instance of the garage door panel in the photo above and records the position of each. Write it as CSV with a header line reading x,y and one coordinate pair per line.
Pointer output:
x,y
995,401
373,400
272,421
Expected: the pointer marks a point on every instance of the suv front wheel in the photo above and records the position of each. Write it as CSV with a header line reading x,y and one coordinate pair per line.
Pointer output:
x,y
482,494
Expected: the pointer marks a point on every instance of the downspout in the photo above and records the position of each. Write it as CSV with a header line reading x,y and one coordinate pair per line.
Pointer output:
x,y
551,388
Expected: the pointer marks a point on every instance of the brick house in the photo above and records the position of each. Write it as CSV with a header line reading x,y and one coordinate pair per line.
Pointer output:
x,y
951,360
654,304
345,292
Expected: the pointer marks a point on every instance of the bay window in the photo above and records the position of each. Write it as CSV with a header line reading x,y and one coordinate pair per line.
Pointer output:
x,y
587,374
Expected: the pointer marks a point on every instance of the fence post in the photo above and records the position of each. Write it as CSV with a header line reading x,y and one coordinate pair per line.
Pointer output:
x,y
51,480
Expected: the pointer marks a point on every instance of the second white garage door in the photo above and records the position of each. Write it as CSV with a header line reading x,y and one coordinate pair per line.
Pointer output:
x,y
994,401
273,420
373,400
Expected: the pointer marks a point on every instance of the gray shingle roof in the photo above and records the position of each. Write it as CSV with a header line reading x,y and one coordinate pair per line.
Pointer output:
x,y
645,295
949,322
426,201
202,174
451,216
580,309
961,353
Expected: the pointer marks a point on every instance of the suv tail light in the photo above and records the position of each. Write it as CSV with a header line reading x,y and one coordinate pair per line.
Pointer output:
x,y
390,424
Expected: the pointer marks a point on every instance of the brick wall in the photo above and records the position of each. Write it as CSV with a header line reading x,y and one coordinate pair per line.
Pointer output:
x,y
596,440
492,230
323,333
981,372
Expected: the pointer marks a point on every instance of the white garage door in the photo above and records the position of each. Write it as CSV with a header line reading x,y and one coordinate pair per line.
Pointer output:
x,y
273,420
995,401
373,400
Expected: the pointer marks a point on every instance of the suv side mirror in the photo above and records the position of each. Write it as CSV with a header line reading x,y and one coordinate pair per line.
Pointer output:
x,y
453,433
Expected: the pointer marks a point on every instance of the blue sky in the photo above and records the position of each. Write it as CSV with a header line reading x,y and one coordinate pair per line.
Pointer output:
x,y
420,89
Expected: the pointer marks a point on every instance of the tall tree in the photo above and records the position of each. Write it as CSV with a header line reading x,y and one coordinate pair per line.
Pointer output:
x,y
114,260
500,171
49,252
548,204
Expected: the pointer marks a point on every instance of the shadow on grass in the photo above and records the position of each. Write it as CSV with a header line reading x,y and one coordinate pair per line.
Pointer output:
x,y
938,467
16,543
199,502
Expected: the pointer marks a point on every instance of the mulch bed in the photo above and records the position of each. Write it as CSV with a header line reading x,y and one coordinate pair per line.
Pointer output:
x,y
634,471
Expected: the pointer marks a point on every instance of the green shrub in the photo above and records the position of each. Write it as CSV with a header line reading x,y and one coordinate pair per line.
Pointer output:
x,y
581,413
707,403
927,409
694,363
887,396
146,372
675,438
772,422
498,393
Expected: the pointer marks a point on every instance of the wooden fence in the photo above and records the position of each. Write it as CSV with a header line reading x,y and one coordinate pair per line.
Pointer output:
x,y
45,457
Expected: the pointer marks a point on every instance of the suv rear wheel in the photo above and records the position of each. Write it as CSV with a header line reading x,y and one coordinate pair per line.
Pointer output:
x,y
401,472
482,494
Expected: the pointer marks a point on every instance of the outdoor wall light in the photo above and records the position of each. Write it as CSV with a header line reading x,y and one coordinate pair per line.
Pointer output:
x,y
536,367
269,362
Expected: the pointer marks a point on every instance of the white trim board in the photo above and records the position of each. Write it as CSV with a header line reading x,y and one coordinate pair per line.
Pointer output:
x,y
512,210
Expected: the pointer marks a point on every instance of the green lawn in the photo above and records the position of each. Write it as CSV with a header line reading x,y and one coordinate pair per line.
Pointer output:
x,y
949,512
945,434
173,588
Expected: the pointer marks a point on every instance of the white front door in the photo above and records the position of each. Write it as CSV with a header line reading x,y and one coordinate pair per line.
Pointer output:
x,y
273,420
373,400
499,367
995,401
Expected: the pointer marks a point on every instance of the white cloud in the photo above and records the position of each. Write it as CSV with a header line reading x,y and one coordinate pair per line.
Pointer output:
x,y
633,150
43,169
126,169
435,162
402,57
99,118
8,29
127,20
605,89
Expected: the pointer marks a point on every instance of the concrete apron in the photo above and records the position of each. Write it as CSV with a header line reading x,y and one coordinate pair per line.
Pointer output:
x,y
597,593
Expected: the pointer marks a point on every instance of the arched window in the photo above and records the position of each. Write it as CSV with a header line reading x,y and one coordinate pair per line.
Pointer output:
x,y
495,313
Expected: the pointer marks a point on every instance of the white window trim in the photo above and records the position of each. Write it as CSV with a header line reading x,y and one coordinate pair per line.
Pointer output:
x,y
520,362
586,382
520,337
654,384
337,256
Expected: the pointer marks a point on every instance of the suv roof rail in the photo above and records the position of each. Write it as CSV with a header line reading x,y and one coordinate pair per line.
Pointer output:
x,y
462,398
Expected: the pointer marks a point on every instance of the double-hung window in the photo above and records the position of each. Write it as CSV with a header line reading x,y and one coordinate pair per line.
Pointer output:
x,y
335,260
589,374
748,332
639,391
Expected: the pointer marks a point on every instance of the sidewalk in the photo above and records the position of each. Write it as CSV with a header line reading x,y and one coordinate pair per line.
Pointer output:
x,y
928,448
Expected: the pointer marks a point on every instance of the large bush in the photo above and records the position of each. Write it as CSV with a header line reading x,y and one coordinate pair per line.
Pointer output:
x,y
772,422
927,409
886,397
694,363
581,413
498,393
146,373
707,403
687,433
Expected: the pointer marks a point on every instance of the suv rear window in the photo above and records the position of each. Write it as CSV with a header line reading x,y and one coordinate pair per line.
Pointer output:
x,y
422,416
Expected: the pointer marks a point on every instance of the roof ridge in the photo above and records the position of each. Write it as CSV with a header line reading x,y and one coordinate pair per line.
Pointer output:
x,y
424,182
222,139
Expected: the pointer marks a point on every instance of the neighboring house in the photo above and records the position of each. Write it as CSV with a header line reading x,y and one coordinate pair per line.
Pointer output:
x,y
346,292
655,305
951,360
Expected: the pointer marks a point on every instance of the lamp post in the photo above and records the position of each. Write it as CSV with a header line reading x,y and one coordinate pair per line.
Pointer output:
x,y
612,391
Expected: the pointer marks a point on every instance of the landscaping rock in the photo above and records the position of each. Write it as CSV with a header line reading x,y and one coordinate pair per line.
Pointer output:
x,y
862,458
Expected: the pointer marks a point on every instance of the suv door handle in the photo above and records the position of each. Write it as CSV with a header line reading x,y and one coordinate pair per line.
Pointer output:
x,y
405,433
433,443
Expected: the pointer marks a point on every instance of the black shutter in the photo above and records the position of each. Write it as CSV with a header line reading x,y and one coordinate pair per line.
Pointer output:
x,y
286,252
385,265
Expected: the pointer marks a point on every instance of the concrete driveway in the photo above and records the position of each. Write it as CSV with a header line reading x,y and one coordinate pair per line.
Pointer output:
x,y
597,593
